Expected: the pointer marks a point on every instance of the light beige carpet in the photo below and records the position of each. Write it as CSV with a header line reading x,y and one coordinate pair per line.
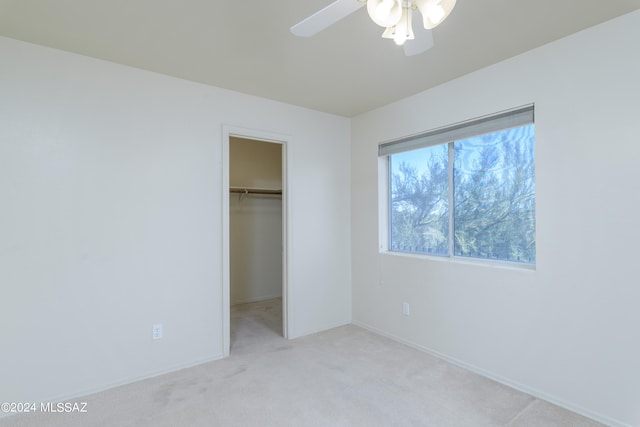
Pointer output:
x,y
342,377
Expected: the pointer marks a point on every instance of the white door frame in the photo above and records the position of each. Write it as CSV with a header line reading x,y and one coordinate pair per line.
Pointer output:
x,y
227,133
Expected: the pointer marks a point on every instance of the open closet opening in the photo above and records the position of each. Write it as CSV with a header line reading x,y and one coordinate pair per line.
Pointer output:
x,y
256,264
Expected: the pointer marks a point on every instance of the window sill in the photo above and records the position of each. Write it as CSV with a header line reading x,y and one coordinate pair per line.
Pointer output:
x,y
505,265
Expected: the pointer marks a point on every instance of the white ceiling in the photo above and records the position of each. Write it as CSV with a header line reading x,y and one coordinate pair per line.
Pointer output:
x,y
246,45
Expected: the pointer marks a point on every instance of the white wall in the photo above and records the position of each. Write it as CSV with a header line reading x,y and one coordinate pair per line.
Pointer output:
x,y
569,330
111,190
255,221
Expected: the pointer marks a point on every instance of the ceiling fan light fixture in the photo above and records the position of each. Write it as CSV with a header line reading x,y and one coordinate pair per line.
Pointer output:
x,y
434,11
394,15
403,29
385,13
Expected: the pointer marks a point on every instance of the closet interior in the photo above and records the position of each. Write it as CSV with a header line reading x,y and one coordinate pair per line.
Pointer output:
x,y
255,221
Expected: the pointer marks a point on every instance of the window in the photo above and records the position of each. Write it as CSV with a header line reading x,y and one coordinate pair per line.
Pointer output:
x,y
467,190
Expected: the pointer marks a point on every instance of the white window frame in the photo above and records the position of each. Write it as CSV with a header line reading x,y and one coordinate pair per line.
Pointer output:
x,y
516,117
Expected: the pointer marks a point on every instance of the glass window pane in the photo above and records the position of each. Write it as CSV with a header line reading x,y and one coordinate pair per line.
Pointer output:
x,y
494,195
419,202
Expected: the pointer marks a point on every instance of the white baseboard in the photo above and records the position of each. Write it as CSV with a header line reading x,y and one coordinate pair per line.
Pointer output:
x,y
78,395
498,378
306,332
256,299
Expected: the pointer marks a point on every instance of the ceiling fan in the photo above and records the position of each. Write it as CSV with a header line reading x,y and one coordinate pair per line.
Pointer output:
x,y
396,16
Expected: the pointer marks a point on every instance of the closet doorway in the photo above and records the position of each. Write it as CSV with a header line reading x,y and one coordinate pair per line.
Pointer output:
x,y
255,229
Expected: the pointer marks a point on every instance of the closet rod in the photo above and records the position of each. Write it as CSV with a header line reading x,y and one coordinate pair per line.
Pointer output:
x,y
253,191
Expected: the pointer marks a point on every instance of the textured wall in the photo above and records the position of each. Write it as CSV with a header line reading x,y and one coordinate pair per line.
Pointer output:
x,y
111,220
568,330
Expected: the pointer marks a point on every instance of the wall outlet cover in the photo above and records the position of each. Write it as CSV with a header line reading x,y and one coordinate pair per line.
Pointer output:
x,y
405,309
157,331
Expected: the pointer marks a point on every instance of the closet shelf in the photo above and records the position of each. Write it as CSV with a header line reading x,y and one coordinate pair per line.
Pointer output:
x,y
249,190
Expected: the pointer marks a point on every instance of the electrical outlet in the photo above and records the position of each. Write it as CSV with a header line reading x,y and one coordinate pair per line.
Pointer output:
x,y
157,331
405,309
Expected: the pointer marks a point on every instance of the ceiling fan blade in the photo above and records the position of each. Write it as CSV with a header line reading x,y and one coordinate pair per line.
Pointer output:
x,y
423,40
326,17
422,43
